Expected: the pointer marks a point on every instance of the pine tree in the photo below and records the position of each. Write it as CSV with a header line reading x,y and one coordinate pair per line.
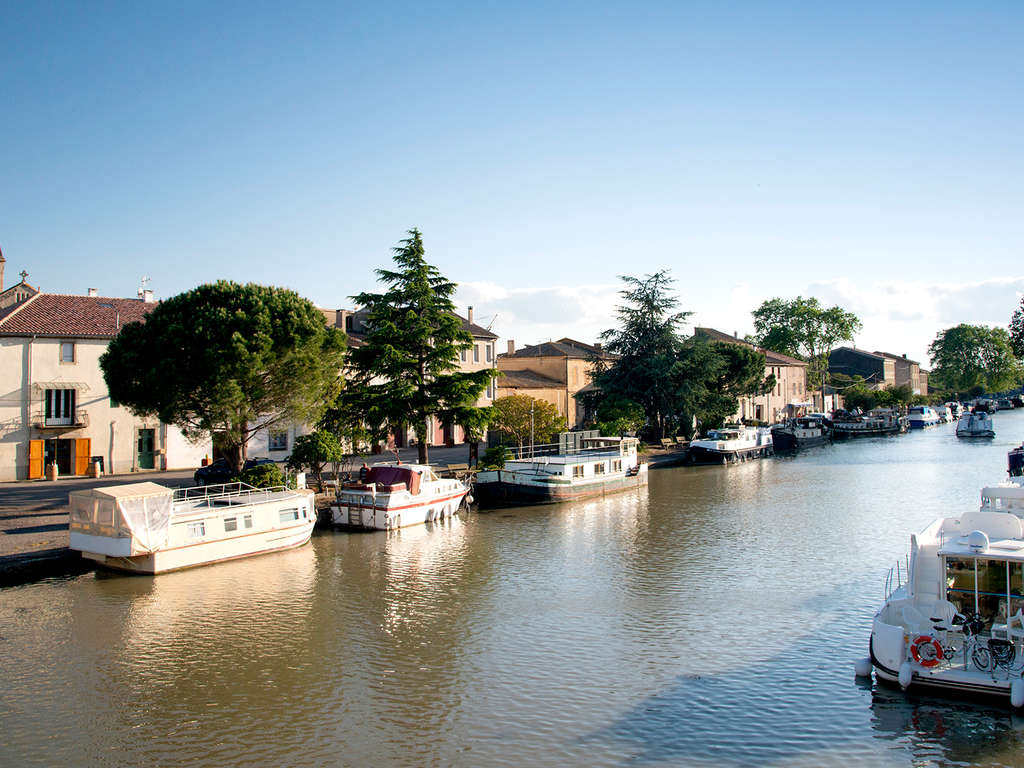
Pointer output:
x,y
406,373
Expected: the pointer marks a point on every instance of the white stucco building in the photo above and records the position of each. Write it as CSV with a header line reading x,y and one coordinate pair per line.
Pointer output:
x,y
54,404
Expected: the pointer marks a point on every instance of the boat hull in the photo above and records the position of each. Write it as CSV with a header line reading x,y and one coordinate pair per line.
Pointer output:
x,y
207,553
841,434
784,441
702,455
508,489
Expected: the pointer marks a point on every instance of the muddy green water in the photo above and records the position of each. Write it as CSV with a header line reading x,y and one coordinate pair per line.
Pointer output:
x,y
711,619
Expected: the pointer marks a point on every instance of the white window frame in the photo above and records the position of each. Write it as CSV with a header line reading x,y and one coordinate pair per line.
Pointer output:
x,y
196,530
59,407
288,515
230,524
476,353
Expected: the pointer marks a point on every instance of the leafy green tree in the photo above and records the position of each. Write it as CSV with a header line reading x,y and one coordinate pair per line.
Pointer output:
x,y
967,356
1017,331
802,328
712,376
227,360
895,397
518,416
494,457
314,452
406,373
860,396
646,344
618,415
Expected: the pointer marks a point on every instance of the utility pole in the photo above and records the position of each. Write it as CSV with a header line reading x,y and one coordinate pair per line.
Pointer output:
x,y
531,430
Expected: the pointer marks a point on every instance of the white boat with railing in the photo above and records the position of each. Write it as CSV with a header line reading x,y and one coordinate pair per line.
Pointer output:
x,y
148,528
731,443
587,465
953,617
397,495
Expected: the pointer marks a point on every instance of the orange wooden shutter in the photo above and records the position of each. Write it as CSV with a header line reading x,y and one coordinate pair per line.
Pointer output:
x,y
82,447
35,459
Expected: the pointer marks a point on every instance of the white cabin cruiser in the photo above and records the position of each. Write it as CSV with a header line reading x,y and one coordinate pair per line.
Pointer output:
x,y
602,465
921,416
147,528
955,619
397,495
732,443
975,424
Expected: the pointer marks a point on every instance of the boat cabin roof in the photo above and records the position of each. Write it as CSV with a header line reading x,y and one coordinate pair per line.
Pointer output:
x,y
126,491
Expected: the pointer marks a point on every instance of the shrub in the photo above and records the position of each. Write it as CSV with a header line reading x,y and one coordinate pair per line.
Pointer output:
x,y
494,457
263,476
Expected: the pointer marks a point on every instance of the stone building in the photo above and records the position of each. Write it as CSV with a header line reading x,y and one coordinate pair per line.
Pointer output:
x,y
877,370
790,388
553,371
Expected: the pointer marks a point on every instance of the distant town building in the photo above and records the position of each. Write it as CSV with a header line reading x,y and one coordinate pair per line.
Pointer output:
x,y
54,404
906,373
790,390
553,371
877,370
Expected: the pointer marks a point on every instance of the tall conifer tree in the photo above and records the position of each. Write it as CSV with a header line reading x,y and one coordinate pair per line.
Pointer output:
x,y
407,372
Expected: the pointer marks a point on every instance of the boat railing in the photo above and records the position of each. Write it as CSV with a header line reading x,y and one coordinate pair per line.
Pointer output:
x,y
242,492
897,577
514,453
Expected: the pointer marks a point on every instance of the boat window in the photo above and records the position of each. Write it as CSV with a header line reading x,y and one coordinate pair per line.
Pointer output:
x,y
599,468
230,524
287,515
247,520
577,470
617,466
196,530
960,583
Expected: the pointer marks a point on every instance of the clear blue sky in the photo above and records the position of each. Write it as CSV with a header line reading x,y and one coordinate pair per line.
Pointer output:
x,y
857,152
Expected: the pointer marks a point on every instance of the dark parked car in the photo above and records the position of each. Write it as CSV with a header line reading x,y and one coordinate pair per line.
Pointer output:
x,y
219,472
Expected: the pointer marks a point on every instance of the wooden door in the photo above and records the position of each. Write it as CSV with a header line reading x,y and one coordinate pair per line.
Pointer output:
x,y
35,459
82,448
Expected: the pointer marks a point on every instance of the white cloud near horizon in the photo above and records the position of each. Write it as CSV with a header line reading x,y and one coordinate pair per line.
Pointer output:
x,y
898,316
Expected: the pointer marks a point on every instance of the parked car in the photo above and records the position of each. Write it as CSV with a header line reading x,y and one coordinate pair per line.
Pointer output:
x,y
219,472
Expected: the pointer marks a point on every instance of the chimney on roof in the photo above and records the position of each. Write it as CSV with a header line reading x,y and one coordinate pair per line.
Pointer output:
x,y
147,296
735,334
511,346
904,355
92,292
2,260
470,318
597,345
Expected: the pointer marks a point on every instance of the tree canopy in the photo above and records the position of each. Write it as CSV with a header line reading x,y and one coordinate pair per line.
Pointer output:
x,y
646,343
711,376
514,415
1017,330
407,371
617,415
314,451
802,328
966,356
227,360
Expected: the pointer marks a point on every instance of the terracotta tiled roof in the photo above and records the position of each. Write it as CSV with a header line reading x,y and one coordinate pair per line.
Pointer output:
x,y
528,380
772,358
50,314
561,348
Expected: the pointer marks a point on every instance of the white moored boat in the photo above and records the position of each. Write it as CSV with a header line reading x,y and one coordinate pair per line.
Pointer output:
x,y
602,465
954,619
148,528
921,416
732,443
396,495
975,424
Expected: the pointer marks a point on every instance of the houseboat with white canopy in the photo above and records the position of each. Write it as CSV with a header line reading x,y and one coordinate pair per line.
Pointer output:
x,y
730,444
397,495
587,465
148,528
953,619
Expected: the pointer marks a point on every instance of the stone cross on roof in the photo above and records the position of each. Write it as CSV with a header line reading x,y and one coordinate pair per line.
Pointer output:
x,y
24,275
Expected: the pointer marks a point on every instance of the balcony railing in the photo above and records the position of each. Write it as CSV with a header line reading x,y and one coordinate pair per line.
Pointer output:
x,y
41,421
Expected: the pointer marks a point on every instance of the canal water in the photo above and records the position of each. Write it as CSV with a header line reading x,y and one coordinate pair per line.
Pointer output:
x,y
711,619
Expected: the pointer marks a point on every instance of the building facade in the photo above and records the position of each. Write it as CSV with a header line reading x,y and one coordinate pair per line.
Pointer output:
x,y
789,392
906,373
877,370
553,371
54,404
